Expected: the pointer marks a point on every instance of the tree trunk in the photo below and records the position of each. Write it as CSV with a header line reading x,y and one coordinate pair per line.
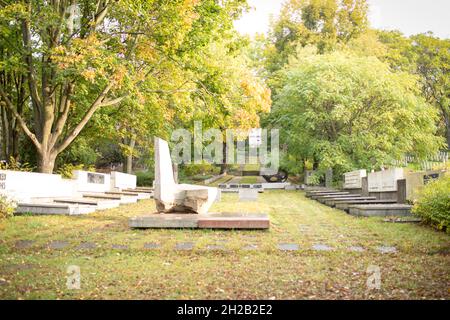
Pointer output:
x,y
315,163
128,165
4,130
223,165
46,161
447,129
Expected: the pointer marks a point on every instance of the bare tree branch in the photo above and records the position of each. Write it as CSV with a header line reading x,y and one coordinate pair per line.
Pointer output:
x,y
19,119
76,131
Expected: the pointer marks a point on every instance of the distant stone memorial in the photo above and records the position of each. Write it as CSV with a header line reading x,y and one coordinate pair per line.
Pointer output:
x,y
171,197
92,181
121,181
353,180
309,177
384,181
96,178
415,181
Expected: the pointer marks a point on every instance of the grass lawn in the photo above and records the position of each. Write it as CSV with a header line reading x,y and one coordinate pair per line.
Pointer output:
x,y
252,167
249,180
419,269
224,179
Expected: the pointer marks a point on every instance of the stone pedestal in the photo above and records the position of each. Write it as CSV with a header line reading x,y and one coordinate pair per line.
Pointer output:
x,y
202,221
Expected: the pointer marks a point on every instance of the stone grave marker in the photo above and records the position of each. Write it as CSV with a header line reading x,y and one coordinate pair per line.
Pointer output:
x,y
248,195
24,244
58,245
288,247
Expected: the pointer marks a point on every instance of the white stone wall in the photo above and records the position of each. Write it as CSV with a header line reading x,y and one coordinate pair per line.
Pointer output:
x,y
275,185
92,181
353,180
22,186
384,181
121,181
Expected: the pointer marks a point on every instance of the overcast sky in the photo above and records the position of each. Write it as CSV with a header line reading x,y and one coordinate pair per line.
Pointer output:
x,y
408,16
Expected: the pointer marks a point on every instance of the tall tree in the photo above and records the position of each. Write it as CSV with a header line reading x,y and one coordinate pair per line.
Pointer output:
x,y
12,79
346,112
323,23
429,58
79,57
229,95
168,96
433,65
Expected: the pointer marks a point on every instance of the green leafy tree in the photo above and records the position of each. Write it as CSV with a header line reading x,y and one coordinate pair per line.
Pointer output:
x,y
176,92
229,95
433,65
81,56
429,58
344,111
323,23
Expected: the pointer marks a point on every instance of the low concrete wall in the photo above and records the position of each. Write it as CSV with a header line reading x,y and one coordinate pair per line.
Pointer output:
x,y
384,181
399,195
415,181
275,185
120,180
353,180
22,186
92,181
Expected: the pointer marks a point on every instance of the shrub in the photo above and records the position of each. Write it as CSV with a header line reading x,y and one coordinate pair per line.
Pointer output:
x,y
433,204
315,179
7,207
15,165
205,168
67,169
145,178
199,178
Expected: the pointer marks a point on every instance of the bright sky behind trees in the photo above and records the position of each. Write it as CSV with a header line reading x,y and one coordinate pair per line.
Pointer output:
x,y
408,16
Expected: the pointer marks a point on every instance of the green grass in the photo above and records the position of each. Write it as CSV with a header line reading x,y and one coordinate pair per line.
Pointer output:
x,y
420,269
249,180
224,179
252,167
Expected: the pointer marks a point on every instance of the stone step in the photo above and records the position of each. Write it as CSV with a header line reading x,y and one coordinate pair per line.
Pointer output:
x,y
344,204
206,221
121,198
313,192
332,202
336,196
315,196
139,195
165,221
380,210
100,204
140,190
53,209
122,193
234,221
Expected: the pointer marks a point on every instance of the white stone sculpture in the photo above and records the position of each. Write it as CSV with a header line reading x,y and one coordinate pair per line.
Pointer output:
x,y
171,197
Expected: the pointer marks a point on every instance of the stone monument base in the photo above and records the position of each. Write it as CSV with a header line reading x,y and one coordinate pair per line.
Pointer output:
x,y
202,221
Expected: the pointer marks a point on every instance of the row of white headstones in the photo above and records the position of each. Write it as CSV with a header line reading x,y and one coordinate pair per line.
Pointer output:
x,y
380,181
